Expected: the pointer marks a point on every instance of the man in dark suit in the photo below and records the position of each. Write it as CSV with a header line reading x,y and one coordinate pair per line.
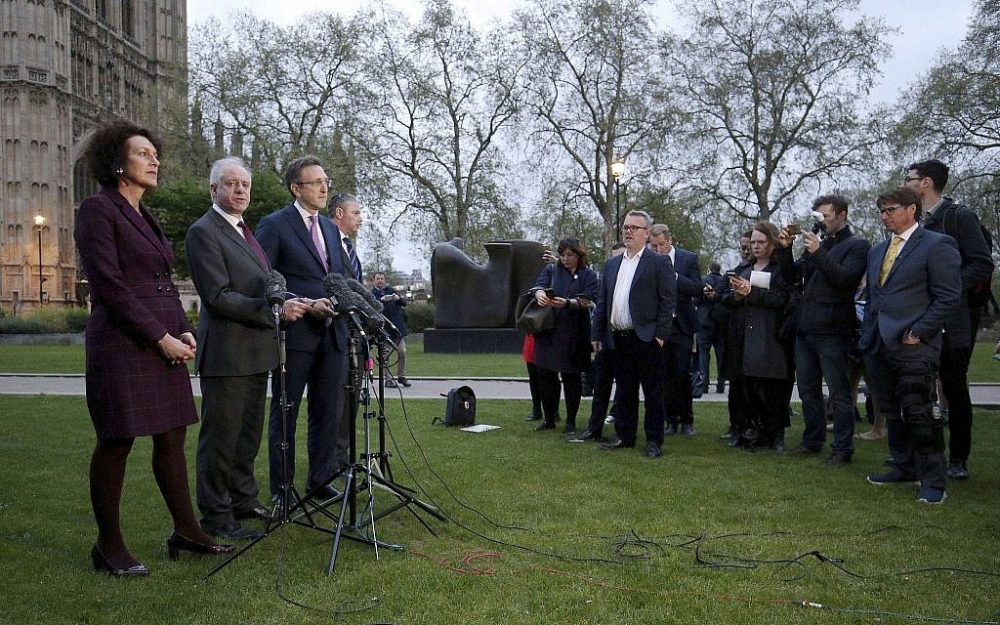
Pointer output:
x,y
942,214
711,328
635,307
828,272
393,304
912,290
304,247
237,349
345,211
677,351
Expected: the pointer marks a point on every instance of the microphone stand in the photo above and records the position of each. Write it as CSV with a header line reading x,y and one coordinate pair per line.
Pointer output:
x,y
291,508
288,493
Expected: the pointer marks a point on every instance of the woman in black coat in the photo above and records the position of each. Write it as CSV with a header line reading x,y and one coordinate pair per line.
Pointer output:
x,y
137,343
570,287
755,355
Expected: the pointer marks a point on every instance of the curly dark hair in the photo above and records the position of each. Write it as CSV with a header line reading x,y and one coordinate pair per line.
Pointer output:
x,y
105,152
575,246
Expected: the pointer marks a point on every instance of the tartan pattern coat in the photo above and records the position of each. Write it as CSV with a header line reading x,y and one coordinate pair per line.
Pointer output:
x,y
132,390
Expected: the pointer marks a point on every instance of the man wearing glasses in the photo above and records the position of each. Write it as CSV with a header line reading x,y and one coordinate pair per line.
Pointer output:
x,y
911,292
928,179
304,248
635,307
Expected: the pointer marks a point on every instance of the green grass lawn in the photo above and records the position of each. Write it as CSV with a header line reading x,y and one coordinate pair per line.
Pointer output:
x,y
69,359
600,537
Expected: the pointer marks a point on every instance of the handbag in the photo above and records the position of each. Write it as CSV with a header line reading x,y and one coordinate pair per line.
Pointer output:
x,y
536,318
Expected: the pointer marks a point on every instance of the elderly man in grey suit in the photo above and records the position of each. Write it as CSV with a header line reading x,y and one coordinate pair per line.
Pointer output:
x,y
912,289
236,350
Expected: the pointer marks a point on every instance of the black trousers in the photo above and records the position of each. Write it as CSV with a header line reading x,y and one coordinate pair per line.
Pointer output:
x,y
638,364
679,403
604,379
549,387
232,421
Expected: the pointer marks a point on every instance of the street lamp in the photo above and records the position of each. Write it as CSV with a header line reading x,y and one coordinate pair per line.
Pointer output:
x,y
40,222
618,170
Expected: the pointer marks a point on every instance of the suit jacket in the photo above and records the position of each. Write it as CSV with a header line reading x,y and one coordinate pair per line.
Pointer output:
x,y
977,263
919,293
236,325
651,300
690,289
288,246
829,280
131,388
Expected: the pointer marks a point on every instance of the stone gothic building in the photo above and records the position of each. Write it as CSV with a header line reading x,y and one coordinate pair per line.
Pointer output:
x,y
67,66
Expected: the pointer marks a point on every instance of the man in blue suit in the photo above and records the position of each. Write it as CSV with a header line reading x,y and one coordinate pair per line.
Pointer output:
x,y
304,247
677,351
635,307
912,289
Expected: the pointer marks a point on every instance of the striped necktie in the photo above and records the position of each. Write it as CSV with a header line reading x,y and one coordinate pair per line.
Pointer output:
x,y
890,258
355,263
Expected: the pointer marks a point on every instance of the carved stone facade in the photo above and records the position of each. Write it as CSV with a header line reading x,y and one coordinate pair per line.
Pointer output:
x,y
65,67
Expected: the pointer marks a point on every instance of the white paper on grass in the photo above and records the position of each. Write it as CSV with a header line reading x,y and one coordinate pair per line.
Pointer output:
x,y
479,428
760,279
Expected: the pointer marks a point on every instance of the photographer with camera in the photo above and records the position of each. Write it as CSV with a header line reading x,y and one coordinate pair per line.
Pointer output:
x,y
828,271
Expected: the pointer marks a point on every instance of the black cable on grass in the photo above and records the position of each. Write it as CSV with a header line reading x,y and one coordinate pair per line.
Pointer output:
x,y
491,539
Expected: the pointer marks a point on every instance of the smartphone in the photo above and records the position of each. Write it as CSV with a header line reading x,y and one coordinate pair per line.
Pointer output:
x,y
793,229
731,274
550,293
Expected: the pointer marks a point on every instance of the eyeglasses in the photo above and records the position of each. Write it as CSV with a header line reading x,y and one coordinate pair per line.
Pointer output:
x,y
628,228
323,181
888,209
911,178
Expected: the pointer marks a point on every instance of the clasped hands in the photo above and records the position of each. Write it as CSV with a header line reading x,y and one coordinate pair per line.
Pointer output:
x,y
178,350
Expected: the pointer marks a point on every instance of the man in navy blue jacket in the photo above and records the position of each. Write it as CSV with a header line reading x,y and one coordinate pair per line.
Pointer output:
x,y
828,272
677,351
635,307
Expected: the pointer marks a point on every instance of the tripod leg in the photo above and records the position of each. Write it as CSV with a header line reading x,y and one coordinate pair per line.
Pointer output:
x,y
340,524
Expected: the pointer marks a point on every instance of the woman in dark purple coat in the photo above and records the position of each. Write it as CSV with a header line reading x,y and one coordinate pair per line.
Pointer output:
x,y
570,287
138,340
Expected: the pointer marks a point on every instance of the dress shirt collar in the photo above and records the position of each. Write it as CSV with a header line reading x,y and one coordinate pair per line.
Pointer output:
x,y
233,220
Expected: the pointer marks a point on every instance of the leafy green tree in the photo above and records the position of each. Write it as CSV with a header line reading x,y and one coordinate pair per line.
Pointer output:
x,y
179,202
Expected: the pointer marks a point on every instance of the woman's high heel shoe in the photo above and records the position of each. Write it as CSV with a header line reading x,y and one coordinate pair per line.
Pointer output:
x,y
178,543
101,563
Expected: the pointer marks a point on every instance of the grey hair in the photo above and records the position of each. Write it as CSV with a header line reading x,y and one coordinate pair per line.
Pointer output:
x,y
215,173
643,214
660,230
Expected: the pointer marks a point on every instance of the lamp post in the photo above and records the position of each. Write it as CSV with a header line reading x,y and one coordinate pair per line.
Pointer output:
x,y
618,170
40,223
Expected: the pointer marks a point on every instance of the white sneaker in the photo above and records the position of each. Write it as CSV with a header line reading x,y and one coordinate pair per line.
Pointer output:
x,y
609,420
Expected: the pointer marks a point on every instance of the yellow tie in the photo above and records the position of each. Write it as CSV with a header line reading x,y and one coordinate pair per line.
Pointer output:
x,y
890,258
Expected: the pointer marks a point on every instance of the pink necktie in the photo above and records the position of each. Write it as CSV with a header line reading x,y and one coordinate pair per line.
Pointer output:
x,y
314,233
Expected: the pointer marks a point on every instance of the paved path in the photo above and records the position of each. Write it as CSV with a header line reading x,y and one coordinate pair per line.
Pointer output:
x,y
983,395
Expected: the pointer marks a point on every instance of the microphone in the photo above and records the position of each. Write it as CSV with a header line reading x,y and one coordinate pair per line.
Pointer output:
x,y
360,289
352,304
341,297
275,291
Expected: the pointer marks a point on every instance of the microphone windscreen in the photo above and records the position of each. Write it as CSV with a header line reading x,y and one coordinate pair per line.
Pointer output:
x,y
275,289
360,289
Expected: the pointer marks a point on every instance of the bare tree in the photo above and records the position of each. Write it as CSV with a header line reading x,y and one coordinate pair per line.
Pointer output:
x,y
956,110
773,92
590,89
438,97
